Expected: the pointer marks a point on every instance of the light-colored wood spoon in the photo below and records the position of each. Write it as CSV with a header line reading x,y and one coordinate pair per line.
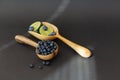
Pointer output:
x,y
84,52
25,40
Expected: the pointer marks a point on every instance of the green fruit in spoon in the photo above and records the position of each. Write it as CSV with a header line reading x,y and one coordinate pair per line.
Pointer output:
x,y
35,26
44,30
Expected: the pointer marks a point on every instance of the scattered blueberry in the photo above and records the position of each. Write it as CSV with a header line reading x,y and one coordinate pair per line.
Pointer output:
x,y
31,65
47,62
43,62
40,67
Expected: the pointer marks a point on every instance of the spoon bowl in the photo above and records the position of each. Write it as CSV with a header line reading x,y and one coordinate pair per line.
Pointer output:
x,y
84,52
43,37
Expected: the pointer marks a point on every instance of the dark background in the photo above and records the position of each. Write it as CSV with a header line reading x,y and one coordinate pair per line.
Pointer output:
x,y
91,23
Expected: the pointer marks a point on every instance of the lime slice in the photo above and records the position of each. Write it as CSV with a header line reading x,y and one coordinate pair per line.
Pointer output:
x,y
35,26
44,30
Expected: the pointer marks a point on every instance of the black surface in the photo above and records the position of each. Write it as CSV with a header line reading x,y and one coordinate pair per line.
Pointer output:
x,y
94,24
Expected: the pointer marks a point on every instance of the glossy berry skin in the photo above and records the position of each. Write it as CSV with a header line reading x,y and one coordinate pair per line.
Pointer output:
x,y
46,47
46,63
45,28
31,28
40,67
31,66
43,62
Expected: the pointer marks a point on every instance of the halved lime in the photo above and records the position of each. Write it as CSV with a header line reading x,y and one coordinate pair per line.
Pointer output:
x,y
35,26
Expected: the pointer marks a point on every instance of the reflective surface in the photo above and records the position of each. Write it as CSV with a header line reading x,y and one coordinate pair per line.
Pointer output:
x,y
94,24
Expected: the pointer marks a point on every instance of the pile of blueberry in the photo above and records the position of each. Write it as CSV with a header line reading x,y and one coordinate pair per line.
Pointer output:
x,y
46,47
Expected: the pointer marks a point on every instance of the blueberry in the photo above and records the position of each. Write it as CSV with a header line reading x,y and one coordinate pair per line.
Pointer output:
x,y
48,41
40,42
45,44
40,67
43,62
30,28
48,52
31,65
41,51
55,46
52,51
45,28
48,49
51,44
47,62
42,47
48,46
44,50
52,34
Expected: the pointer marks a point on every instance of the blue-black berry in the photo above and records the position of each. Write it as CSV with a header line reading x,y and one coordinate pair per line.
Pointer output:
x,y
45,28
46,47
52,34
43,62
31,28
31,65
40,67
47,62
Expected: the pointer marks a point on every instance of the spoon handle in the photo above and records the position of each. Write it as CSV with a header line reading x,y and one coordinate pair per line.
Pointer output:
x,y
25,40
84,52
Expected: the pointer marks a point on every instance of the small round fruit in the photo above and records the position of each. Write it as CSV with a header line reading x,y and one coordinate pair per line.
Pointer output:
x,y
31,65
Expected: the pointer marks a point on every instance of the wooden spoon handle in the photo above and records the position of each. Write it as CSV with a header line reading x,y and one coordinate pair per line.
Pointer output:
x,y
84,52
25,40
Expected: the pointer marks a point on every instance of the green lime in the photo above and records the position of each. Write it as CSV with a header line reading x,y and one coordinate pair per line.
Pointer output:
x,y
35,26
44,30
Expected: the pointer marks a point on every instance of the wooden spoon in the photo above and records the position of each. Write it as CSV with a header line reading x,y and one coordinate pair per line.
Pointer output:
x,y
84,52
25,40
